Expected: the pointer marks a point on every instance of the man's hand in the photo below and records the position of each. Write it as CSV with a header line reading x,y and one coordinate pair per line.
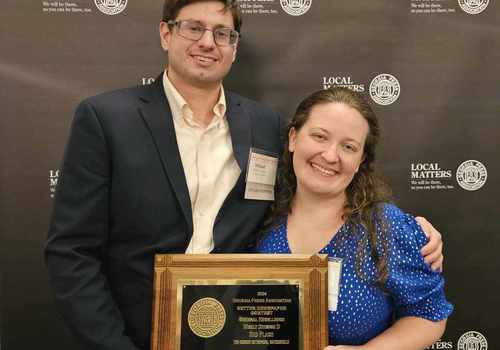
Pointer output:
x,y
433,250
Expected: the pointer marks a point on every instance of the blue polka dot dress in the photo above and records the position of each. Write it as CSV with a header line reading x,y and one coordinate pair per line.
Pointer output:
x,y
365,310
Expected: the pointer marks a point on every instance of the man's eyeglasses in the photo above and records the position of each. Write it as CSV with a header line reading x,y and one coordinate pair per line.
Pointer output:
x,y
194,30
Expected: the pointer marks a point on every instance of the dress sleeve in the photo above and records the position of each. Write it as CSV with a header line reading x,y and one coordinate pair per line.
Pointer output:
x,y
415,288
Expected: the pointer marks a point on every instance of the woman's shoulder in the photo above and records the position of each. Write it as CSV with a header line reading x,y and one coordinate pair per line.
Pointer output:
x,y
274,238
390,210
395,216
402,227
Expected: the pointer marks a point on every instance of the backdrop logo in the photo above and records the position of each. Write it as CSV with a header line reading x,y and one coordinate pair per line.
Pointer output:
x,y
384,89
441,344
471,175
147,80
430,177
111,7
53,179
473,7
428,171
472,341
296,7
347,82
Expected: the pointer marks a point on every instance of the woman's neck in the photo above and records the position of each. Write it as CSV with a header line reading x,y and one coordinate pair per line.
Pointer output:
x,y
324,209
313,222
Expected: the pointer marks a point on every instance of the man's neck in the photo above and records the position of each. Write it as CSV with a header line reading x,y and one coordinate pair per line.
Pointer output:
x,y
201,99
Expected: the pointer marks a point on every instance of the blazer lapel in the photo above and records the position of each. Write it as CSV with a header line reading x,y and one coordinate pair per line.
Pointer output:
x,y
156,113
240,129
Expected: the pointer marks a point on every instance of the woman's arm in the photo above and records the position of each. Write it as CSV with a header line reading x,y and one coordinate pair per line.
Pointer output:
x,y
421,308
408,333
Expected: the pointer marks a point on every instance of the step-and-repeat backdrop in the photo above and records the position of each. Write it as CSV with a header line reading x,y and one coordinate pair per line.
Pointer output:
x,y
431,68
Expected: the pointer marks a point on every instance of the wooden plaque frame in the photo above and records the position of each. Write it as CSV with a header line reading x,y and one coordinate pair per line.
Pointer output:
x,y
310,270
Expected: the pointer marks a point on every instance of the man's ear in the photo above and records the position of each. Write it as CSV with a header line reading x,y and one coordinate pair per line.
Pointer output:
x,y
234,52
165,35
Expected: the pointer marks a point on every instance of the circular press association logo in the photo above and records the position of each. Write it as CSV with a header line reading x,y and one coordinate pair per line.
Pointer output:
x,y
206,317
472,341
471,175
295,7
473,7
111,7
384,89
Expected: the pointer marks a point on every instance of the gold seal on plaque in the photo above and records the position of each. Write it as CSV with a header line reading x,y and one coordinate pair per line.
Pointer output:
x,y
206,317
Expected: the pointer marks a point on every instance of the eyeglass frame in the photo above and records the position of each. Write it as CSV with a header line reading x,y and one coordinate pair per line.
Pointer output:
x,y
177,24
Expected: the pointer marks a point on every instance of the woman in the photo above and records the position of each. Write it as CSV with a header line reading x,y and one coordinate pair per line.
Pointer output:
x,y
330,201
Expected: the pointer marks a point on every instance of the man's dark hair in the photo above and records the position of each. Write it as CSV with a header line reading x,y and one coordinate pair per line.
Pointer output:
x,y
171,9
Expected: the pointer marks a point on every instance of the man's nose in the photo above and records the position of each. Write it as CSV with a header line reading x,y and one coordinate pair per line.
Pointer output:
x,y
207,39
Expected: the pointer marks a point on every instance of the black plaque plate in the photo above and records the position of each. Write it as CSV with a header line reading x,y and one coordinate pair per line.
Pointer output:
x,y
257,317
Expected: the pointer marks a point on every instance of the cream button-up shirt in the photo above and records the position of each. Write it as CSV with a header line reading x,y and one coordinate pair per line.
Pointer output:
x,y
207,157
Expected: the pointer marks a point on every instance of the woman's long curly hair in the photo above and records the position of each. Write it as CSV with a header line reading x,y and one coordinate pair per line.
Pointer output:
x,y
365,193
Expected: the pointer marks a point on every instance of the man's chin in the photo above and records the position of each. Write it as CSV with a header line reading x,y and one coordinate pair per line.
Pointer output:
x,y
206,79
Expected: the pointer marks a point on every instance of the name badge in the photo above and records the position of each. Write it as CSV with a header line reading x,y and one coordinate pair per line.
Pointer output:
x,y
334,273
261,175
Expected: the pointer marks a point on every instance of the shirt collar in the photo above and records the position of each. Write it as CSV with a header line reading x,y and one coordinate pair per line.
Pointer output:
x,y
182,112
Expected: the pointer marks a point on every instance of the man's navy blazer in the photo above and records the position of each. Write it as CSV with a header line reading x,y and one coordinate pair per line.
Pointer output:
x,y
122,197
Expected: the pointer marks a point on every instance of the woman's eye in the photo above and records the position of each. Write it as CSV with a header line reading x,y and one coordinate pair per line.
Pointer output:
x,y
350,148
318,137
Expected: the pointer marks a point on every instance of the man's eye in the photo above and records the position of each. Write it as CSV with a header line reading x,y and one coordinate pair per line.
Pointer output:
x,y
222,34
195,28
318,137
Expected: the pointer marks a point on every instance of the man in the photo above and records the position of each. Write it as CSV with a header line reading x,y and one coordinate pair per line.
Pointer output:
x,y
157,169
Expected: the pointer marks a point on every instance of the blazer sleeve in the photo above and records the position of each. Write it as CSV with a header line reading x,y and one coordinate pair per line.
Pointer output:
x,y
76,246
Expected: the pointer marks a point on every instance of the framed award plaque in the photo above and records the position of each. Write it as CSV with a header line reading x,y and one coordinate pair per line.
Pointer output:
x,y
240,302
